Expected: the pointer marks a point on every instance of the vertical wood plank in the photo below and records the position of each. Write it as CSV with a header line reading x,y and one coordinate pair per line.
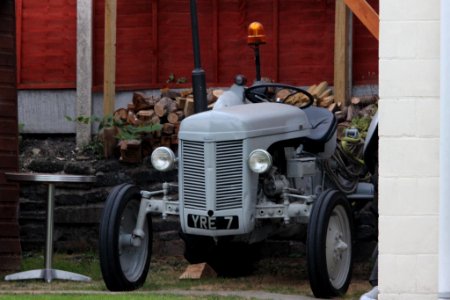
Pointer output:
x,y
18,40
276,15
109,64
342,53
155,41
215,45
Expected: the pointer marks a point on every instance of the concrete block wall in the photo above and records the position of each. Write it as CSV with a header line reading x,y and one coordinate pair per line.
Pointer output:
x,y
409,149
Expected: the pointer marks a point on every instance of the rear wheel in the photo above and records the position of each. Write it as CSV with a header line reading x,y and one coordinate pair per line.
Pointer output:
x,y
329,245
124,266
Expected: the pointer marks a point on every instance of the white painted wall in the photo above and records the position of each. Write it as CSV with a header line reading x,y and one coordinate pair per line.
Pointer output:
x,y
409,149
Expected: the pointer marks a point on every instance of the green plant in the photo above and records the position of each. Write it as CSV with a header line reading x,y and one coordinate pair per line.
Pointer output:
x,y
172,79
132,132
95,147
104,122
126,131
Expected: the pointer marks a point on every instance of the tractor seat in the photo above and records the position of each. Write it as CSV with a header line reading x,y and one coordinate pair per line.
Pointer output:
x,y
323,124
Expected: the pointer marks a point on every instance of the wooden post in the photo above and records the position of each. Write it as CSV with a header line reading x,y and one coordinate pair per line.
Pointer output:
x,y
342,53
84,69
109,74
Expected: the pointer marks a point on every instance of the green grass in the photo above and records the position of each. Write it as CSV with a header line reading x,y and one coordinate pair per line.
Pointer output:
x,y
276,275
111,297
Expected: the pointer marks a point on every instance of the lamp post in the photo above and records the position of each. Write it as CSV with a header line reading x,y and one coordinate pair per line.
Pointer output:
x,y
198,74
255,38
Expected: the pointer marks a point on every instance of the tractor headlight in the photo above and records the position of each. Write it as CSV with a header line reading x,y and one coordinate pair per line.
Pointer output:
x,y
163,159
260,161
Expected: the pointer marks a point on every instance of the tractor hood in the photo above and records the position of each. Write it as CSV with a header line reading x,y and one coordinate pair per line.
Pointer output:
x,y
245,121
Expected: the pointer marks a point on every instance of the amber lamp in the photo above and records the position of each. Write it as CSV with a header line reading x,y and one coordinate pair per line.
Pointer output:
x,y
256,35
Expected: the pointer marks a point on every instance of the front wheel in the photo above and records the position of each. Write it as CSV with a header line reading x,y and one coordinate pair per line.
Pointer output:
x,y
329,245
124,266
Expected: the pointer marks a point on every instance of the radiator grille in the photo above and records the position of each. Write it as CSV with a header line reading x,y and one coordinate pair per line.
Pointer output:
x,y
194,174
228,173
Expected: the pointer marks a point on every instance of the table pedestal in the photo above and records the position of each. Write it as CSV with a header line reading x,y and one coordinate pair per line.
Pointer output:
x,y
48,273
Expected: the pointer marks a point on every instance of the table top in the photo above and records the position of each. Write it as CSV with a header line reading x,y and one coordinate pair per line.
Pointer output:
x,y
49,178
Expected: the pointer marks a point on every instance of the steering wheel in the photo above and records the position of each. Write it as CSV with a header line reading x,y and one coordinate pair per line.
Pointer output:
x,y
269,92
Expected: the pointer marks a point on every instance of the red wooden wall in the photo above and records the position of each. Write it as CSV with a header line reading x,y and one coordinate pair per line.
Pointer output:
x,y
154,40
9,193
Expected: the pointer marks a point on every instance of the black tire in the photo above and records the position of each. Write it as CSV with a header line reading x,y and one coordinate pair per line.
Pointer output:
x,y
124,267
329,245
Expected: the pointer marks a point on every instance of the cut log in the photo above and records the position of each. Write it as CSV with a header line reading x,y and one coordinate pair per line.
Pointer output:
x,y
181,101
332,107
151,101
298,99
217,93
198,271
130,151
311,88
352,111
175,116
145,113
177,128
368,111
321,87
139,102
282,94
164,106
156,134
186,93
213,95
364,100
145,116
131,118
326,93
189,107
327,101
155,120
107,136
168,128
120,114
166,92
166,141
174,139
211,105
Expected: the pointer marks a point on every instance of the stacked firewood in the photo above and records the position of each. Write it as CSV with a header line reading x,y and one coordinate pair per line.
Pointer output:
x,y
322,93
166,110
363,107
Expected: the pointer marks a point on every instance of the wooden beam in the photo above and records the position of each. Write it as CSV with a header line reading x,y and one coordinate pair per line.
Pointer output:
x,y
366,14
342,53
109,63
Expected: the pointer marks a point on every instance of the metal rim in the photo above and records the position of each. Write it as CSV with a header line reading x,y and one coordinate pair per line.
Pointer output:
x,y
338,247
132,258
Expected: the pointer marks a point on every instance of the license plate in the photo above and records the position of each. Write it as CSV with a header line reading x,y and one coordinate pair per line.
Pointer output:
x,y
213,223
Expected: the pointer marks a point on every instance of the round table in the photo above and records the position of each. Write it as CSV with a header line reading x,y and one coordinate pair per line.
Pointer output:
x,y
48,273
